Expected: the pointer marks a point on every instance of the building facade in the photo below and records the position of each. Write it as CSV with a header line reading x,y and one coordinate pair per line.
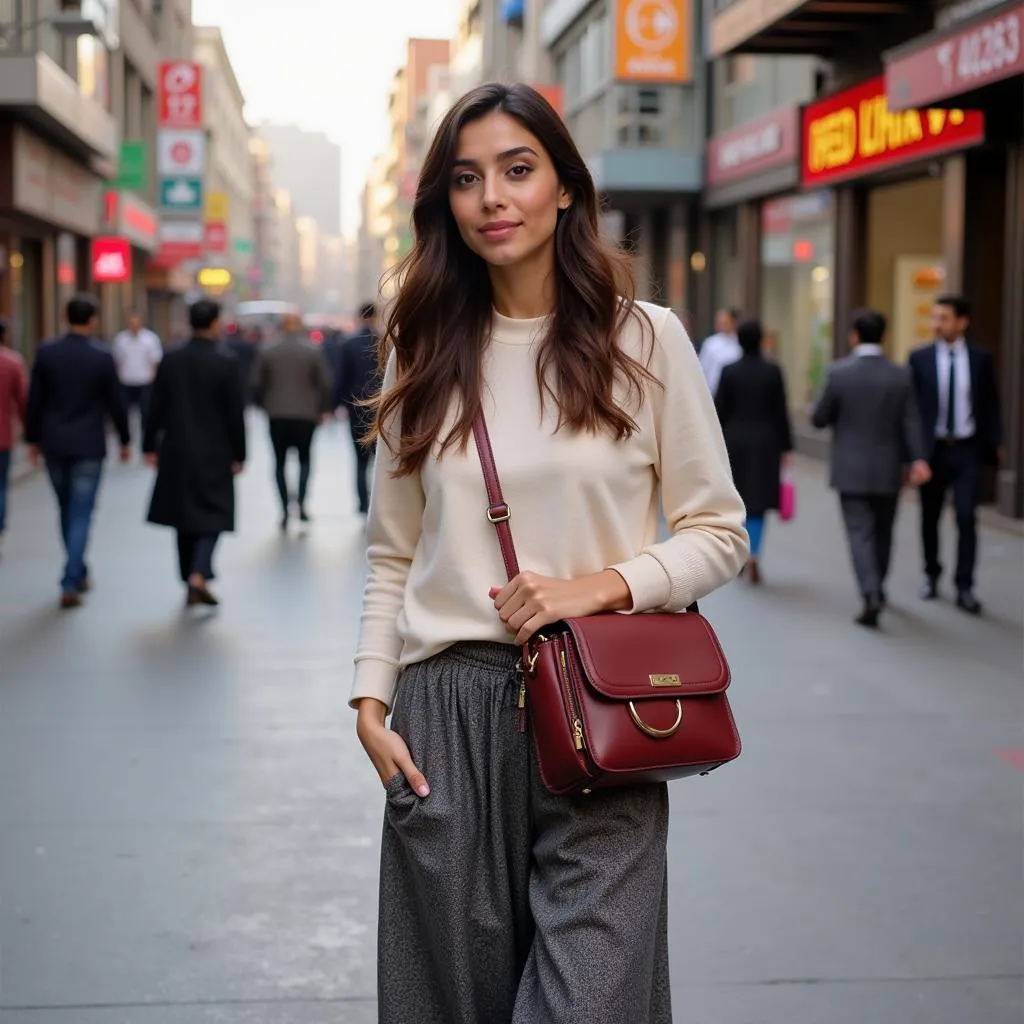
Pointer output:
x,y
909,180
59,143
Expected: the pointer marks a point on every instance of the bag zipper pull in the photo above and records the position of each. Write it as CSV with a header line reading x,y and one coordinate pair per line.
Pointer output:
x,y
577,733
521,702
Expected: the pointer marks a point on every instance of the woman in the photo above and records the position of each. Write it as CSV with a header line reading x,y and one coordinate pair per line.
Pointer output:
x,y
751,404
499,902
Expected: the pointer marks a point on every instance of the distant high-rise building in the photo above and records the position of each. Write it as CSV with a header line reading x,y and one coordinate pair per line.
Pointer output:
x,y
308,165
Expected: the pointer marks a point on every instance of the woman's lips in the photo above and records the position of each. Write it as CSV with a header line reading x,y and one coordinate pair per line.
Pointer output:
x,y
498,232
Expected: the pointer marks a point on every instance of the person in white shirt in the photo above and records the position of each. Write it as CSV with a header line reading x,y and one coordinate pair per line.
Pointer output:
x,y
137,352
721,348
500,902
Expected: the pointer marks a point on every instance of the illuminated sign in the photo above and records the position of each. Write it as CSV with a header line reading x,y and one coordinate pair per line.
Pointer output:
x,y
213,277
653,39
854,133
111,260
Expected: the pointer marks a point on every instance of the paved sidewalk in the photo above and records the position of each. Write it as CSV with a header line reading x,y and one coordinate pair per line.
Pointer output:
x,y
189,829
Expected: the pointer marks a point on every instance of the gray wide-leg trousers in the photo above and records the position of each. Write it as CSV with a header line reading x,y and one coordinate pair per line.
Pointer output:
x,y
502,904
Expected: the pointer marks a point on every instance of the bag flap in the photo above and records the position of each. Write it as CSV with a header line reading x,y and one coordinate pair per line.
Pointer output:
x,y
650,656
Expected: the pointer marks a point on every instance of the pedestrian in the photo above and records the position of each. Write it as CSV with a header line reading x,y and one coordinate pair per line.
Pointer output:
x,y
721,348
195,439
869,403
358,380
963,433
500,902
73,389
292,384
137,353
752,407
13,402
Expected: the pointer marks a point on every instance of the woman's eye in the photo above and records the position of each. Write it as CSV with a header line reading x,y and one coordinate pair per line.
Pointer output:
x,y
520,170
462,180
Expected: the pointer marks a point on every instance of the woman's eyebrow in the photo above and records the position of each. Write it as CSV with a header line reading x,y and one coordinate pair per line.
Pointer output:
x,y
507,155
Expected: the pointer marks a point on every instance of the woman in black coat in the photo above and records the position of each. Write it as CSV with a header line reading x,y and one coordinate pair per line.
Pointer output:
x,y
751,403
195,437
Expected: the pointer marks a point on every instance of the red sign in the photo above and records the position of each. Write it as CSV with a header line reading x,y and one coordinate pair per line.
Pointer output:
x,y
111,259
180,85
959,62
170,254
854,133
769,142
215,234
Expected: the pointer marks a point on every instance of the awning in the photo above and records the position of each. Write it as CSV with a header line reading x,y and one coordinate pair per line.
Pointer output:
x,y
944,66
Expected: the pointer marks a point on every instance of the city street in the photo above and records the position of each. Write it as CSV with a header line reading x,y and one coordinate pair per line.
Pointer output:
x,y
189,829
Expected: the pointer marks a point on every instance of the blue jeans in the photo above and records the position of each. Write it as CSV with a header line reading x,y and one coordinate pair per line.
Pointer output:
x,y
76,483
755,531
5,472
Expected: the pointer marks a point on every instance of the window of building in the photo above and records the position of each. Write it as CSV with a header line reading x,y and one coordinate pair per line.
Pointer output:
x,y
797,265
584,67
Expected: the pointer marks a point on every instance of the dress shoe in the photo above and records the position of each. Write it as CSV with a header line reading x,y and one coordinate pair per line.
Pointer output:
x,y
869,616
966,601
284,523
200,595
85,586
70,599
304,516
929,589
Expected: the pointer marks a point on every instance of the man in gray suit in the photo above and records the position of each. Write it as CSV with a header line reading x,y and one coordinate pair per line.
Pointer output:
x,y
292,384
869,404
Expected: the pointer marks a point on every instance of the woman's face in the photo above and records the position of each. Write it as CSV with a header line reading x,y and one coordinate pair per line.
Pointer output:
x,y
505,194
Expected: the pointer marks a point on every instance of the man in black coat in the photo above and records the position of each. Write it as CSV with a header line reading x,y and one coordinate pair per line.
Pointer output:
x,y
359,379
963,433
869,404
74,389
195,438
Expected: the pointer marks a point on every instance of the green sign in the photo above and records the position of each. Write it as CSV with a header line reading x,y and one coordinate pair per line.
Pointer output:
x,y
243,246
133,167
181,195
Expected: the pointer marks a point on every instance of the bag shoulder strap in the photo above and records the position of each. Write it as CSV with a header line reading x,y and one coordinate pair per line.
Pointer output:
x,y
498,512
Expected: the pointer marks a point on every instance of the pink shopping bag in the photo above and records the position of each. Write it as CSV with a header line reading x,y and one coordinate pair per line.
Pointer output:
x,y
787,499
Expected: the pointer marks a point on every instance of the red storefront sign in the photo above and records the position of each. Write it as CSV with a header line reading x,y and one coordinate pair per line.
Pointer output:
x,y
111,259
180,84
769,142
215,233
854,133
986,52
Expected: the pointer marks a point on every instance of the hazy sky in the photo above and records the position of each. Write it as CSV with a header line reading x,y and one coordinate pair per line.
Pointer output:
x,y
325,65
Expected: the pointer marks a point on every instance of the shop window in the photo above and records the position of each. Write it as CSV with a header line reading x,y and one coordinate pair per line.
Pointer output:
x,y
797,265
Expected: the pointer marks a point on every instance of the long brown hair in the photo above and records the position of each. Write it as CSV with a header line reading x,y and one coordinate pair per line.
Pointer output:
x,y
442,314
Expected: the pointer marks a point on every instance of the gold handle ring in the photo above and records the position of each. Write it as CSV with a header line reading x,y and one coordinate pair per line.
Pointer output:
x,y
658,734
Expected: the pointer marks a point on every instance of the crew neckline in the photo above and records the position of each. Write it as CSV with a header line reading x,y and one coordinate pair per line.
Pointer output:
x,y
507,331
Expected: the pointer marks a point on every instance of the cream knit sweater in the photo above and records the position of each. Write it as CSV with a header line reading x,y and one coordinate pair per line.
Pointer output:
x,y
580,503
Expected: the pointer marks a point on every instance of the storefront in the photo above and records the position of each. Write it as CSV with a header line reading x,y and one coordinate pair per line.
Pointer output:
x,y
49,209
771,248
977,62
127,216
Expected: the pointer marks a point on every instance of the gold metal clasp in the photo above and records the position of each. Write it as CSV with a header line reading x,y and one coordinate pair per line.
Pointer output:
x,y
658,734
499,513
665,679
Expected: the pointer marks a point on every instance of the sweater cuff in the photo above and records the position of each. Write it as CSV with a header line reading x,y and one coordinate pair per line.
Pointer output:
x,y
375,677
648,582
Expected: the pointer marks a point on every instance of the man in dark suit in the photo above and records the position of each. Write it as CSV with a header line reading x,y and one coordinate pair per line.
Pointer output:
x,y
869,404
359,379
195,438
74,388
963,433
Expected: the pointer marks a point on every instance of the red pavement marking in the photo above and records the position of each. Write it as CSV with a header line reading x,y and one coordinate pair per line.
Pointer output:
x,y
1013,757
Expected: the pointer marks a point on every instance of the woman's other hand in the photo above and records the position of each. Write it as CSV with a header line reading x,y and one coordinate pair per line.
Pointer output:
x,y
386,749
531,601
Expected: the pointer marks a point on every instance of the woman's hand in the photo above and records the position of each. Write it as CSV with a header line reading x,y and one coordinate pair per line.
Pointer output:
x,y
531,601
387,750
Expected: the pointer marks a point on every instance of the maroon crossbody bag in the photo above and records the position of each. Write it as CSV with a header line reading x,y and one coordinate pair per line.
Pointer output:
x,y
616,700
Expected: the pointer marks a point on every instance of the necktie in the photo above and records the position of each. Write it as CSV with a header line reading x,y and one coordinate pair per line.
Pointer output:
x,y
951,398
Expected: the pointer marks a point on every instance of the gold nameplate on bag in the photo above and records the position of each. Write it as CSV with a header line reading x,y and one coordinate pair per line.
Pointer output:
x,y
665,680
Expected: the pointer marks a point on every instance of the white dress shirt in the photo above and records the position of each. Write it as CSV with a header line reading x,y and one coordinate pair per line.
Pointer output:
x,y
963,409
716,354
137,356
869,350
